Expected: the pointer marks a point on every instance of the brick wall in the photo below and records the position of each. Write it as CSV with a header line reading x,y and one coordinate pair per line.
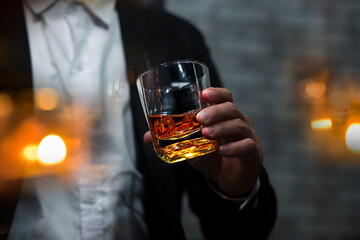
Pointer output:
x,y
262,49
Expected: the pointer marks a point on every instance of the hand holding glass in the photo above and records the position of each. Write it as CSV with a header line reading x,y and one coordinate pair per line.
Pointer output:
x,y
171,96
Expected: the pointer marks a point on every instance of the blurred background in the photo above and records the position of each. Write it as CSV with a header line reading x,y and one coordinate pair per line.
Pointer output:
x,y
293,67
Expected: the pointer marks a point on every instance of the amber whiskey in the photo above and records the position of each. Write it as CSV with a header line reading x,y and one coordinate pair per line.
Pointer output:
x,y
178,137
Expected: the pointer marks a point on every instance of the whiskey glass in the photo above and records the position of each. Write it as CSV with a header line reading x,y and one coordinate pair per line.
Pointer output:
x,y
171,96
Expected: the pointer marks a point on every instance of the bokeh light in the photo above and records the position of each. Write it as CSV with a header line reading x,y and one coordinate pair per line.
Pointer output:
x,y
30,152
52,150
46,99
321,124
315,89
352,137
6,105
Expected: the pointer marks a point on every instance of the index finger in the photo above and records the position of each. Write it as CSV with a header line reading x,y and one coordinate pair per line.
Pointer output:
x,y
217,95
221,95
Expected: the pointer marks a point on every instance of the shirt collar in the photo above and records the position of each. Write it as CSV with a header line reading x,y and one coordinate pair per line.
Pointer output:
x,y
101,9
39,6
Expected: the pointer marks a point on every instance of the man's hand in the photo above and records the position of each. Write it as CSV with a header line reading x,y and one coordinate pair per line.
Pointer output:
x,y
237,164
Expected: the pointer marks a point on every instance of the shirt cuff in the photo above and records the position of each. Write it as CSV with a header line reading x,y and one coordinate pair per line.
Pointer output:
x,y
242,201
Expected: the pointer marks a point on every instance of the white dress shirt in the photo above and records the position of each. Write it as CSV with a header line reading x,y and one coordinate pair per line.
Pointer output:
x,y
76,48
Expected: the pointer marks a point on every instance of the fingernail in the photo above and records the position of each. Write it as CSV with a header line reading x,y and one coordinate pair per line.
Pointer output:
x,y
210,131
209,93
202,116
224,149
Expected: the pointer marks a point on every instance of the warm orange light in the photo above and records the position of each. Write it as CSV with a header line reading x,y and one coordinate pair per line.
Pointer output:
x,y
321,124
352,137
315,89
30,152
6,105
46,99
52,150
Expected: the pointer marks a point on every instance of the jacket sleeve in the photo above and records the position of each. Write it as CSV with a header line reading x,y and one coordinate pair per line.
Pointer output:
x,y
220,218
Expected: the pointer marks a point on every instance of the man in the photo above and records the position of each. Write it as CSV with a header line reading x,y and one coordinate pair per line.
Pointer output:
x,y
79,47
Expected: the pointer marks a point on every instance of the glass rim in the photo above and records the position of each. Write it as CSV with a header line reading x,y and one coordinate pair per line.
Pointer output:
x,y
162,65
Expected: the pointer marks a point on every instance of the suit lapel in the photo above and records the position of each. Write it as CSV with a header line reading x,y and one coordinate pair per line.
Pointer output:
x,y
141,50
138,43
15,65
15,77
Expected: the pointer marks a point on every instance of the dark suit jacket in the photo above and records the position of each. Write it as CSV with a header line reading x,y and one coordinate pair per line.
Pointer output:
x,y
150,38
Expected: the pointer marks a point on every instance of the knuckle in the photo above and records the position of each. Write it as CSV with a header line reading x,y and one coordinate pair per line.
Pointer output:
x,y
232,106
239,125
251,145
229,94
239,122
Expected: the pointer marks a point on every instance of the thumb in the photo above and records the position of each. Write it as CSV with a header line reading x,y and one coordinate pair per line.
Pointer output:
x,y
148,138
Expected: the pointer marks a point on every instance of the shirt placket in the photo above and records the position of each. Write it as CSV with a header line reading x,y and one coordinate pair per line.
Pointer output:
x,y
79,80
91,206
90,186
